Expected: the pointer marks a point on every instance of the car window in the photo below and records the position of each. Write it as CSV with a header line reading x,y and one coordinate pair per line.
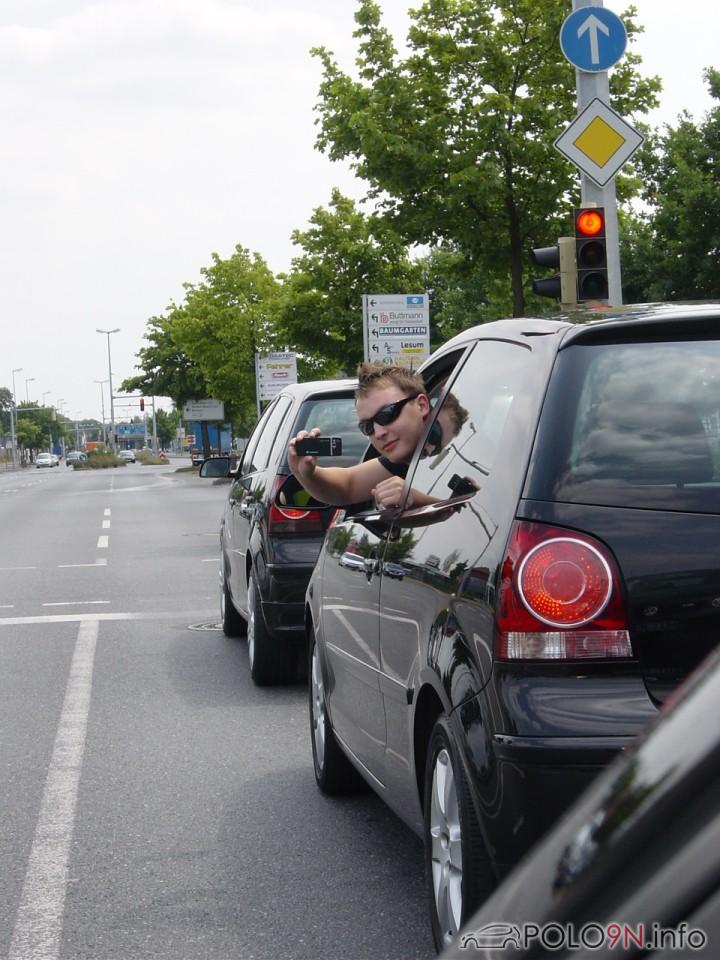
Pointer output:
x,y
632,424
336,417
472,418
258,451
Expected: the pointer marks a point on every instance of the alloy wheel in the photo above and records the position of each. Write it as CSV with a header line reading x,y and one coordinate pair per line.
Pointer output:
x,y
446,839
318,709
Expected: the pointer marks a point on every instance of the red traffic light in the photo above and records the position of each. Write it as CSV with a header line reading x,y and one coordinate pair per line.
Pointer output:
x,y
590,223
142,403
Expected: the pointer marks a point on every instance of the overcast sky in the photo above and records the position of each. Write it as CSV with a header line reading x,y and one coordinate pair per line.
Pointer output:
x,y
140,136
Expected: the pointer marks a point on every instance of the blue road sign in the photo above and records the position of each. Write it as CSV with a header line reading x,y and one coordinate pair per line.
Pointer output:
x,y
593,39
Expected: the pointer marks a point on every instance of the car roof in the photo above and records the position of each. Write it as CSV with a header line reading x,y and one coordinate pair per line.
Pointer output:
x,y
577,324
302,391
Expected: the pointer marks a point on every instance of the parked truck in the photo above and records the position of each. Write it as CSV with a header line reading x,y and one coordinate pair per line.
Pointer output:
x,y
218,440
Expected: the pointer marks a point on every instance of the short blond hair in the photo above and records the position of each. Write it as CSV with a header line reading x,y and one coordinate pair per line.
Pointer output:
x,y
372,376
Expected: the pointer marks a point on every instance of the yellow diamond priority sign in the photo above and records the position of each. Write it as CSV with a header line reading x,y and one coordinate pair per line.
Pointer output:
x,y
599,142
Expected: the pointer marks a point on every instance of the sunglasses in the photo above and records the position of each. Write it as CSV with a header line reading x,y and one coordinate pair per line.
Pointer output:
x,y
385,415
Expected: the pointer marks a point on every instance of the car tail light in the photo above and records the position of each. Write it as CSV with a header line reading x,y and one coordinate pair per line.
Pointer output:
x,y
559,598
291,519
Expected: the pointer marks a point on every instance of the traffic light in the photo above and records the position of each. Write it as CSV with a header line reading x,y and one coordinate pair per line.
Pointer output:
x,y
591,253
142,403
562,286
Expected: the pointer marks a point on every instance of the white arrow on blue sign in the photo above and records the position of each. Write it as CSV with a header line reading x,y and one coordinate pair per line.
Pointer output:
x,y
593,39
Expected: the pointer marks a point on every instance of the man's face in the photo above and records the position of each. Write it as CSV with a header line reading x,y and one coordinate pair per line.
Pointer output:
x,y
397,440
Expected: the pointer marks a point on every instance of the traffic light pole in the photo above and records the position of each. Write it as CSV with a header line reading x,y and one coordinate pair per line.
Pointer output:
x,y
589,86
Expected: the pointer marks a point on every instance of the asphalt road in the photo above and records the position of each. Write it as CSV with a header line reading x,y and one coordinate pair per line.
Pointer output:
x,y
154,803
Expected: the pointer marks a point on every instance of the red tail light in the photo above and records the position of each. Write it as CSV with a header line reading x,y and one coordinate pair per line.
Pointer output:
x,y
291,519
559,598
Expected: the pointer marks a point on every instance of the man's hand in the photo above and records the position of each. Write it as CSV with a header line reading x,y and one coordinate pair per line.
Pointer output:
x,y
302,467
388,493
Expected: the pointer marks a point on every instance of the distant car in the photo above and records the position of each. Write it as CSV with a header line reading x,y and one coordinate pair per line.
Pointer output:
x,y
128,455
634,861
268,548
46,460
561,581
75,456
352,560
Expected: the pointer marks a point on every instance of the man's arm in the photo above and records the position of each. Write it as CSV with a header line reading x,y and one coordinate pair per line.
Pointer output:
x,y
335,485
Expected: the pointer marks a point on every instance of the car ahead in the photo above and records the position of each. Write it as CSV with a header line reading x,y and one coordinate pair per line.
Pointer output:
x,y
634,861
560,581
268,549
127,455
46,460
75,456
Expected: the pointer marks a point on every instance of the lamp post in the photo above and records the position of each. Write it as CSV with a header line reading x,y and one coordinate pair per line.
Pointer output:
x,y
45,393
27,381
112,409
13,417
102,406
58,404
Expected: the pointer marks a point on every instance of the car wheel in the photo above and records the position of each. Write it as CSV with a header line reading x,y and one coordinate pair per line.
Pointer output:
x,y
233,624
334,773
270,660
458,872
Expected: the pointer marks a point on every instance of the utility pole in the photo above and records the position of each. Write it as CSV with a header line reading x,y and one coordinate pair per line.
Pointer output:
x,y
102,407
13,418
112,409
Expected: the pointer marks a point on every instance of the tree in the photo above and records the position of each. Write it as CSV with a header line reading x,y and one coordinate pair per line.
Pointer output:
x,y
345,255
165,370
671,251
456,140
6,402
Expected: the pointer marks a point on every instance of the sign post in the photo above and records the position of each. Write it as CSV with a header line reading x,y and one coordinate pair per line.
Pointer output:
x,y
593,39
396,328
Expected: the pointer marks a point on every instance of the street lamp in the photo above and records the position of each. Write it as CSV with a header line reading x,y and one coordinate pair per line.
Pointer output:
x,y
112,409
13,417
45,393
58,404
27,381
102,405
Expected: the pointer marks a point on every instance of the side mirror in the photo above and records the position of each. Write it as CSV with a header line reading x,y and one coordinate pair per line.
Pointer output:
x,y
215,467
293,494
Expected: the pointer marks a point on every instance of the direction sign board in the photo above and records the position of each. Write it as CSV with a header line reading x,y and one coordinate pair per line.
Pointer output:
x,y
593,39
396,328
204,410
599,142
274,371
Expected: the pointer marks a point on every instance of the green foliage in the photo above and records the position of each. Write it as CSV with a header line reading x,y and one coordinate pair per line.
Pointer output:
x,y
670,251
165,370
35,427
345,255
6,402
456,140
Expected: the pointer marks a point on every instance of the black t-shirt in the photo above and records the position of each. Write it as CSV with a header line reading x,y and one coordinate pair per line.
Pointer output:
x,y
396,469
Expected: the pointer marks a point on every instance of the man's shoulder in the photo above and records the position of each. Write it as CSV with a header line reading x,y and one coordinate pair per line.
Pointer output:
x,y
396,469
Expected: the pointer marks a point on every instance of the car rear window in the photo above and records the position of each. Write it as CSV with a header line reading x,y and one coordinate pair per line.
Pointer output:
x,y
632,424
336,417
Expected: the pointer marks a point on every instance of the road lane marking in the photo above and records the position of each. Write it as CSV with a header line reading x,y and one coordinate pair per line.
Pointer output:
x,y
107,511
102,543
98,563
38,925
188,615
211,560
106,524
7,606
74,603
6,569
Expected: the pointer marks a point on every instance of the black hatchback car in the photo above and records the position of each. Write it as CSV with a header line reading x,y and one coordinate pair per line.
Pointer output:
x,y
563,581
268,550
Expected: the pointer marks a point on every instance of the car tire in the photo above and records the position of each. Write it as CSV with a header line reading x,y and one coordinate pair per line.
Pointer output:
x,y
458,871
270,660
334,773
233,623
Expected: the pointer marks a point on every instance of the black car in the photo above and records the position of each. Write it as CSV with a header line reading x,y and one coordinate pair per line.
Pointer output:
x,y
633,866
268,549
562,582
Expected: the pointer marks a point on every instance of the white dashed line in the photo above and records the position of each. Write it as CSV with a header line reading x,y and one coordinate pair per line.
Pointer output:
x,y
74,603
106,524
98,563
6,569
107,511
102,543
